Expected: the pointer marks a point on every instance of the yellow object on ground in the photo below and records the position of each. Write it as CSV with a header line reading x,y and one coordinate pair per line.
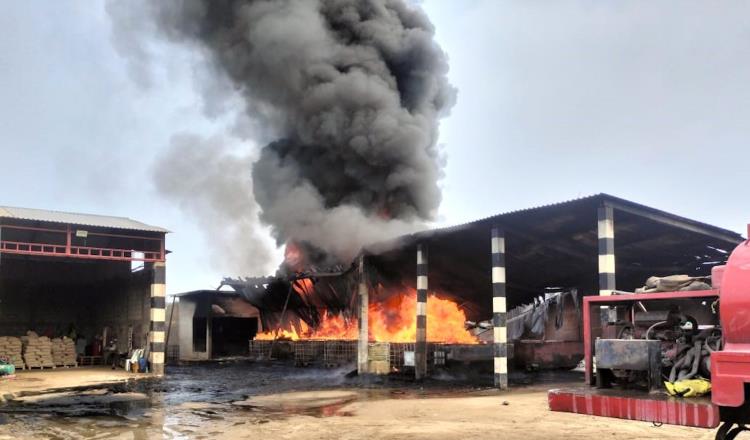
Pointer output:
x,y
689,388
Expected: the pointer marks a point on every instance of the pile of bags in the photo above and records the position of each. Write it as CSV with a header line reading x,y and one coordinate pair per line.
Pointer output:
x,y
37,351
10,350
674,283
64,352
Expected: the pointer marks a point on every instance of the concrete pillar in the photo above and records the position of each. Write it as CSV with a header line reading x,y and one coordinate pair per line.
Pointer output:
x,y
420,348
158,318
499,309
606,228
364,336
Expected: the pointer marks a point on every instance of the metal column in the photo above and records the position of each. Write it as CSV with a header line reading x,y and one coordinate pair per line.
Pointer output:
x,y
606,228
499,309
420,348
158,317
364,335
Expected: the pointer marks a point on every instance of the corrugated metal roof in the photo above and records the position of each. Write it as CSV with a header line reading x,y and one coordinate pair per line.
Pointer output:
x,y
553,245
103,221
602,197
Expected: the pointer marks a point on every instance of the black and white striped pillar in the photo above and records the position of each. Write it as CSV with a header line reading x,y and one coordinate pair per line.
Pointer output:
x,y
364,336
606,234
420,349
499,309
158,318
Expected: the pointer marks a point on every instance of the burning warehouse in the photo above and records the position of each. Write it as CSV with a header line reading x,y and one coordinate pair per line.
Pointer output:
x,y
345,100
507,287
350,96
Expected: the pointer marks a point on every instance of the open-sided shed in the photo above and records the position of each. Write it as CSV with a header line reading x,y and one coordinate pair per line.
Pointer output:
x,y
597,245
90,276
558,245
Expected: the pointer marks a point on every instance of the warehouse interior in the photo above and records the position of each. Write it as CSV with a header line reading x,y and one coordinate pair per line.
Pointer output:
x,y
55,297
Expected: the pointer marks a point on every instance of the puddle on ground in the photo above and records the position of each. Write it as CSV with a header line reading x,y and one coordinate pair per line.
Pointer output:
x,y
310,403
129,408
194,400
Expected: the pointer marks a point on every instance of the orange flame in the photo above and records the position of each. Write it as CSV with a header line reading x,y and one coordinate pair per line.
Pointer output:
x,y
391,320
293,255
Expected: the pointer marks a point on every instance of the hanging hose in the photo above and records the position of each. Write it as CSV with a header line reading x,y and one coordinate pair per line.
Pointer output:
x,y
653,326
696,361
679,364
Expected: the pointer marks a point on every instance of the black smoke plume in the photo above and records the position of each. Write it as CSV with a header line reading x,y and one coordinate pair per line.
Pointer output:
x,y
352,91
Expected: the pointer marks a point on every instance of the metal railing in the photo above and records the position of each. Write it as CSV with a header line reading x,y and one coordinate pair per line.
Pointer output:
x,y
76,251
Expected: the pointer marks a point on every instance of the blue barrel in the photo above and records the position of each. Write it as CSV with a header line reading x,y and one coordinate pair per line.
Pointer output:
x,y
6,369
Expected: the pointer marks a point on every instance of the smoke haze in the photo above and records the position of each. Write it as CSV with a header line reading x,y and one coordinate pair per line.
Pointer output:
x,y
210,182
349,93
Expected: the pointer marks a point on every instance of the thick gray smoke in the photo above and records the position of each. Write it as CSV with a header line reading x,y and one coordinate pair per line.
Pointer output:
x,y
352,90
210,182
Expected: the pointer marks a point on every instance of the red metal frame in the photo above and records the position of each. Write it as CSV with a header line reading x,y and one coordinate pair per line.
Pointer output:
x,y
68,250
633,405
699,412
612,300
730,368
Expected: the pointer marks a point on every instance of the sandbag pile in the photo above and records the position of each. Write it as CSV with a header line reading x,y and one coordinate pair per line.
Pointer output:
x,y
37,351
10,350
674,283
64,352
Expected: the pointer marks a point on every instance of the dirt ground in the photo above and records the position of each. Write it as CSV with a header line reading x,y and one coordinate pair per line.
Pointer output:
x,y
525,416
41,380
252,401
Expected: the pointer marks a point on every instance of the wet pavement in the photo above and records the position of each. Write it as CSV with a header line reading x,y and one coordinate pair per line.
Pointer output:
x,y
246,400
196,401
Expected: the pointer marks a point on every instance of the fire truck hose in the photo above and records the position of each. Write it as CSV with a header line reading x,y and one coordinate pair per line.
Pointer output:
x,y
692,358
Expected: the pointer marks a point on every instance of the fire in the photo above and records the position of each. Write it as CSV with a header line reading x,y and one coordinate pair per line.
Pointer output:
x,y
293,255
303,286
332,327
395,320
391,320
282,334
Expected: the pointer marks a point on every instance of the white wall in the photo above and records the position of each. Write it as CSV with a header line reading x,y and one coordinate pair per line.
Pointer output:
x,y
185,310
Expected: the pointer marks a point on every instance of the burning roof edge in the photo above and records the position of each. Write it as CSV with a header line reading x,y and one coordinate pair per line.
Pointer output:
x,y
603,198
211,292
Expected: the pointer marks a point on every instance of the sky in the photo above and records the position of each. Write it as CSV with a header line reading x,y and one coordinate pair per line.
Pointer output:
x,y
649,101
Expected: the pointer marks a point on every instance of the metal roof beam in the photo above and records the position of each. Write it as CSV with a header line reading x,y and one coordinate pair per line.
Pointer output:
x,y
546,243
688,226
